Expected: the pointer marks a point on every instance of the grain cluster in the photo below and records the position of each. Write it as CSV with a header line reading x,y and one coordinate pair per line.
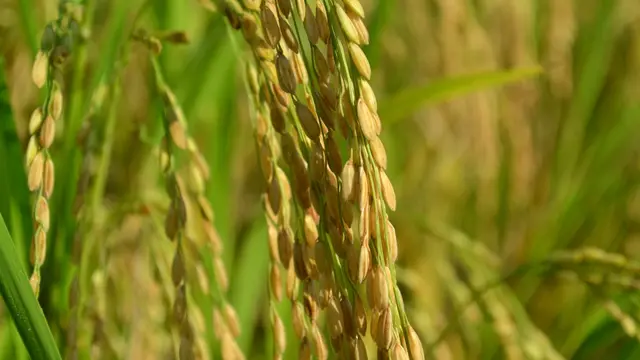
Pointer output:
x,y
332,245
56,44
186,174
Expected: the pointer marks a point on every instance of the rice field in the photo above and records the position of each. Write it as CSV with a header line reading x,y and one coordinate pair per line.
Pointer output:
x,y
326,179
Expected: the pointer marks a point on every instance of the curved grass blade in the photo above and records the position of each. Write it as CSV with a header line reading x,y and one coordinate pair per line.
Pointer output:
x,y
408,101
22,304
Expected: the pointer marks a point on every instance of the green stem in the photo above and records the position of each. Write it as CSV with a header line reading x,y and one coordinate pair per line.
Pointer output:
x,y
21,302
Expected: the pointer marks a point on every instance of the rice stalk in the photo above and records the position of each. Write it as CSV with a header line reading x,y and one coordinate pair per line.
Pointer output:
x,y
308,84
56,45
185,183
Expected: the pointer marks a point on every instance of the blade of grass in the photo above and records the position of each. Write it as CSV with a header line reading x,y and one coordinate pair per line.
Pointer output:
x,y
222,105
247,283
594,55
403,104
22,303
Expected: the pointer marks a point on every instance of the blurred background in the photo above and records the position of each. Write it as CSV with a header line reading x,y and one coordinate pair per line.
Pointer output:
x,y
512,130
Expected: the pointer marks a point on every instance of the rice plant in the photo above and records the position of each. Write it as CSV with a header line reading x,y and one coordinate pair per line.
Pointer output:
x,y
327,179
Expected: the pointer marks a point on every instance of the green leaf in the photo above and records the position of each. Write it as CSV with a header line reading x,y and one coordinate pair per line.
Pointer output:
x,y
21,302
410,100
248,288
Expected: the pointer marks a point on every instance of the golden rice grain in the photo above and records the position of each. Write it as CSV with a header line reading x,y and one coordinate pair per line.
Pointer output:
x,y
213,237
328,96
231,319
34,281
229,348
275,282
360,316
310,307
304,353
261,127
379,153
35,120
319,346
277,119
309,260
415,345
55,106
347,26
288,36
301,7
252,77
274,195
270,68
195,180
221,274
333,155
177,268
310,25
40,69
281,96
384,329
285,7
360,60
348,181
36,170
270,27
273,243
279,334
285,247
364,232
320,65
32,151
364,263
355,6
297,319
307,120
348,318
367,93
40,244
390,251
299,264
335,322
203,280
249,28
361,350
266,160
178,134
361,28
366,120
47,132
322,22
286,77
388,192
325,291
397,352
292,284
377,289
310,230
